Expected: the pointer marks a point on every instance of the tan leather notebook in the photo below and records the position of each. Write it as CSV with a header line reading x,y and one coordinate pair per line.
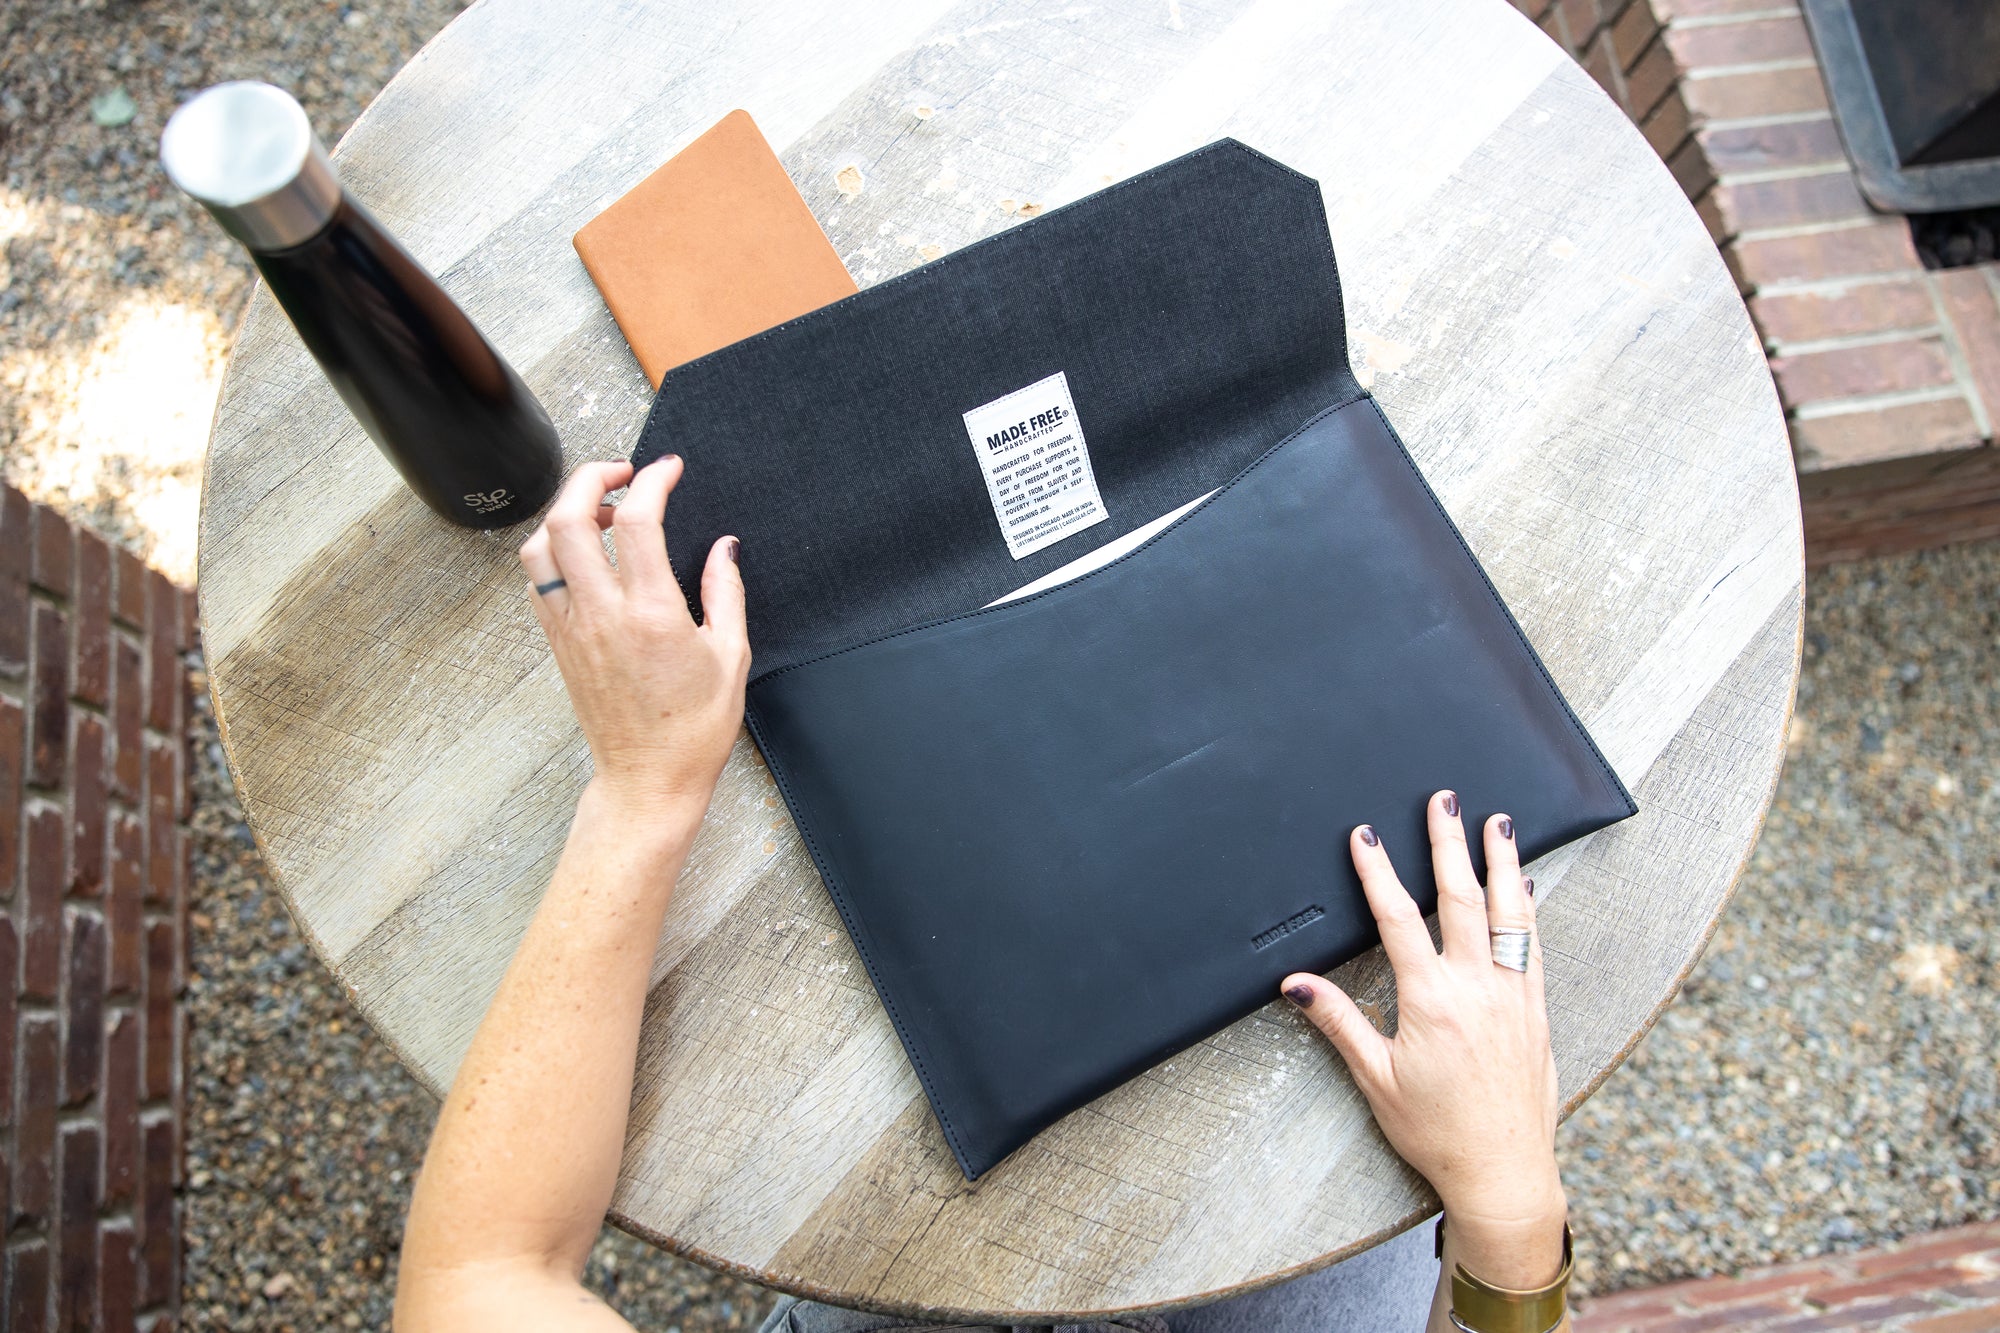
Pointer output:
x,y
714,246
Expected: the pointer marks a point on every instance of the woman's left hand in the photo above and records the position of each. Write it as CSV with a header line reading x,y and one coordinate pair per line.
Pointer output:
x,y
660,698
1466,1089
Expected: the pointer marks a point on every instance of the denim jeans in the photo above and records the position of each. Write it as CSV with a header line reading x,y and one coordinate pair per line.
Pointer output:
x,y
1384,1290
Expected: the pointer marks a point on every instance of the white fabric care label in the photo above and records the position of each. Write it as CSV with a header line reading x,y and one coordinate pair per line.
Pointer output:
x,y
1030,446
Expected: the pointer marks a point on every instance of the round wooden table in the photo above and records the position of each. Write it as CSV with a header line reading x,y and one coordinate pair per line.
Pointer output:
x,y
1538,309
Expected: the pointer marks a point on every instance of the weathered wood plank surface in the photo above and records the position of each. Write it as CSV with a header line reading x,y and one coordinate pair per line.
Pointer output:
x,y
1530,297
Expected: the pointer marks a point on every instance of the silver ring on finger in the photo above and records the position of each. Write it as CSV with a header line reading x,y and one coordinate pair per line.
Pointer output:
x,y
1510,947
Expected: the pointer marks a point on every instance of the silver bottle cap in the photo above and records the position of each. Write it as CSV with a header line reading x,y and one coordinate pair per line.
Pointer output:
x,y
247,153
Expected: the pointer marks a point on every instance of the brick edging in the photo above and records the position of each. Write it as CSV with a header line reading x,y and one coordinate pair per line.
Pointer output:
x,y
94,806
1889,372
1943,1282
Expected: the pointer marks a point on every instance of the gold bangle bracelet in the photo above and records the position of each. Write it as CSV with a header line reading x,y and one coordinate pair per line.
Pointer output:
x,y
1480,1307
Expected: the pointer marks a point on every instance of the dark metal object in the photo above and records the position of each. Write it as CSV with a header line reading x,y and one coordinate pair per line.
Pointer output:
x,y
1915,86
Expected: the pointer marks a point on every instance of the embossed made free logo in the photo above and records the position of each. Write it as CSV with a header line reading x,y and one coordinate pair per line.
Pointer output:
x,y
1289,926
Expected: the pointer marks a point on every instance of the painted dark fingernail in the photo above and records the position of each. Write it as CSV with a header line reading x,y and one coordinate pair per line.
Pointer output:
x,y
733,547
1369,837
1300,995
1506,827
1529,885
1451,804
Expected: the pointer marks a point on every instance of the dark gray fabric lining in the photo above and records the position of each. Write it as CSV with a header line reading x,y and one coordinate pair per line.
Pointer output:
x,y
1194,309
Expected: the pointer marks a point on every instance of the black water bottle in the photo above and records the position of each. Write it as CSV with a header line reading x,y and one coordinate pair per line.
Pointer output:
x,y
437,399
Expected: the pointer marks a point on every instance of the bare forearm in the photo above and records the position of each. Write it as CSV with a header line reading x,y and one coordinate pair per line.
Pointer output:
x,y
525,1155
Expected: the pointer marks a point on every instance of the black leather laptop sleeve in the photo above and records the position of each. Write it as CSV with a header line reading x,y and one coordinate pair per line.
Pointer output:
x,y
1074,832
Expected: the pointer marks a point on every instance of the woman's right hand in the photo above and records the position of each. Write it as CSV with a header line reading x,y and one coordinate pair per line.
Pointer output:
x,y
1466,1089
659,698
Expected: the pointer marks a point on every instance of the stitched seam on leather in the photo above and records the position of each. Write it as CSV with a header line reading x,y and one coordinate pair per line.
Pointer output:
x,y
1617,784
1085,577
836,892
1066,212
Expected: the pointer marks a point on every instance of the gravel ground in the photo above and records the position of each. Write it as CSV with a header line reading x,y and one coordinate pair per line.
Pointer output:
x,y
117,293
1826,1081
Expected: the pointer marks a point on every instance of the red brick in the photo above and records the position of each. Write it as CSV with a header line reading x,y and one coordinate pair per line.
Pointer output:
x,y
121,1110
1734,1291
1649,80
128,720
1852,438
118,1277
88,806
1769,92
76,1290
46,747
1737,1316
30,1293
10,967
1633,31
1906,1282
1874,1315
54,544
83,1008
131,589
35,1119
1870,307
1551,24
160,1010
17,544
1788,144
92,614
1534,9
1926,1251
1979,1319
1987,1289
1586,1318
13,625
1666,129
1850,372
13,754
1975,318
181,1026
1923,502
127,905
190,619
1691,170
1579,21
1600,65
1878,247
166,676
42,926
159,1236
1710,46
1711,217
163,804
1791,201
17,533
1693,9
